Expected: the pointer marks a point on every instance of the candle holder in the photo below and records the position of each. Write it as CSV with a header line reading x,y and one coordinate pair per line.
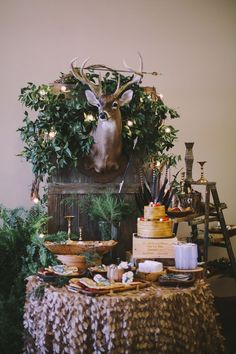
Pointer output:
x,y
80,234
69,219
189,161
182,182
202,179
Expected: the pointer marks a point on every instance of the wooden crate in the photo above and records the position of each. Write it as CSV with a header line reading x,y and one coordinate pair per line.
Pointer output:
x,y
156,248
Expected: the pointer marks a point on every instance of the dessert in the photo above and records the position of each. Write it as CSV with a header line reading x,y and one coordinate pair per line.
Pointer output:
x,y
155,223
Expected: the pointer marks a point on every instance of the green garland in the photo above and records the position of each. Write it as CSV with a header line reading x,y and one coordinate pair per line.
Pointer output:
x,y
60,134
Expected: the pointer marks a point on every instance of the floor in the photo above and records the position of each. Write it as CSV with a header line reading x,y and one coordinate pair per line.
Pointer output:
x,y
224,290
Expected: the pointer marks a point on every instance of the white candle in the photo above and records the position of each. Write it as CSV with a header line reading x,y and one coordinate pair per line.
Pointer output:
x,y
186,256
150,266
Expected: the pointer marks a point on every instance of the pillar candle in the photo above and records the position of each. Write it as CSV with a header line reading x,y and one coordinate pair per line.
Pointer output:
x,y
186,256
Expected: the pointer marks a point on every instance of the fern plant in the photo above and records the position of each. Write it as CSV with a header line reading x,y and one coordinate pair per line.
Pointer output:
x,y
105,207
21,254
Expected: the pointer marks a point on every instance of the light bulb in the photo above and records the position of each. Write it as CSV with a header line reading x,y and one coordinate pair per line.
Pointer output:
x,y
36,200
52,134
130,123
63,88
42,92
88,117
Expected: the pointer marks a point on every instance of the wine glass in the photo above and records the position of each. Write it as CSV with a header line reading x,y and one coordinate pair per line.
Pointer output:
x,y
202,178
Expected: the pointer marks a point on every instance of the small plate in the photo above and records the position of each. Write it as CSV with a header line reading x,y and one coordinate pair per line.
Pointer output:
x,y
179,214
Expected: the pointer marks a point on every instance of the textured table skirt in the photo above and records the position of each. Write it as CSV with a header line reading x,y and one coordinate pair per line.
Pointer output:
x,y
152,320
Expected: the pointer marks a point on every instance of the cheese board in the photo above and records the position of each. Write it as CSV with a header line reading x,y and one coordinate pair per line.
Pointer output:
x,y
89,287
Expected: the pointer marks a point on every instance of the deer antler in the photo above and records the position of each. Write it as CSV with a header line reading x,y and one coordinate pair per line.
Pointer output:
x,y
119,90
97,88
81,76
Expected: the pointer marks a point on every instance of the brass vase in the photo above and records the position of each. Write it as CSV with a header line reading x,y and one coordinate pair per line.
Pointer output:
x,y
189,161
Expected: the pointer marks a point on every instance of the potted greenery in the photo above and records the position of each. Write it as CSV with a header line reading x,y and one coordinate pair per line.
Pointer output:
x,y
108,210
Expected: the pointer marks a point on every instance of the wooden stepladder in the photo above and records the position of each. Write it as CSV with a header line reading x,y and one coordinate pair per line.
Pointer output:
x,y
213,212
227,233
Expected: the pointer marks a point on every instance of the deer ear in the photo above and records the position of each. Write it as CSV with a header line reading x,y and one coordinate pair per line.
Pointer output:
x,y
126,98
91,98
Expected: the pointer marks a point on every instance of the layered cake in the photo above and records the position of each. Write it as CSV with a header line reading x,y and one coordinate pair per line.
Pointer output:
x,y
155,223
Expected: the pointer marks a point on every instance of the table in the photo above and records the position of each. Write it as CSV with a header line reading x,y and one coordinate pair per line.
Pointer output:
x,y
152,320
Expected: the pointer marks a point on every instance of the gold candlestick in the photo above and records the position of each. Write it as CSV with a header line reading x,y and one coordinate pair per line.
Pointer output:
x,y
80,234
202,179
182,182
69,219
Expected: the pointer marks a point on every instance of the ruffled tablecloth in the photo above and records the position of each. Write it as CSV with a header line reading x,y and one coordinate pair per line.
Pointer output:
x,y
152,320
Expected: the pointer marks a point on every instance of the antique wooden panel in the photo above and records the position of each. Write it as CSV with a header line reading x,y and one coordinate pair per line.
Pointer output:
x,y
72,184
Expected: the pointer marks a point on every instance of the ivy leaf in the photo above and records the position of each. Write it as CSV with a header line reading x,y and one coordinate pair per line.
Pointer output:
x,y
64,114
43,256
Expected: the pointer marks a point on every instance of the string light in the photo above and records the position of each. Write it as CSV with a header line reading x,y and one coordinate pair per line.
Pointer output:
x,y
167,130
42,92
52,134
63,88
88,117
130,123
36,200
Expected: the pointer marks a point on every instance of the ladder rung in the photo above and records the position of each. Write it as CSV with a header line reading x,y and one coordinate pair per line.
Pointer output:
x,y
217,244
202,220
231,232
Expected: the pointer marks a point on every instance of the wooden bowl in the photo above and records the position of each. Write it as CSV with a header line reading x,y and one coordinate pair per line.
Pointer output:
x,y
150,276
73,260
79,247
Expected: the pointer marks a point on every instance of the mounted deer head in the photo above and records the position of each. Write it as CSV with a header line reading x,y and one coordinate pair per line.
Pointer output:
x,y
107,148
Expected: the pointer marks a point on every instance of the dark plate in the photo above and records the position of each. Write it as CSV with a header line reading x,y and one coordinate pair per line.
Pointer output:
x,y
53,277
173,280
48,278
179,214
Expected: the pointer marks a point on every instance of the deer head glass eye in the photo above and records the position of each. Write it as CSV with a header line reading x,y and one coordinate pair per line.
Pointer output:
x,y
114,105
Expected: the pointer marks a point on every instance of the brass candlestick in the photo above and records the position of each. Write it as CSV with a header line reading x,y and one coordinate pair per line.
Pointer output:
x,y
80,234
182,182
69,219
189,161
202,179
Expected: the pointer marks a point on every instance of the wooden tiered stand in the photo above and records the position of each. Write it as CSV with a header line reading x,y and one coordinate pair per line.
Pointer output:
x,y
210,215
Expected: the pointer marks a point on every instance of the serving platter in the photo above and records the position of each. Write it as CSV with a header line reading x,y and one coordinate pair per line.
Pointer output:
x,y
87,286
